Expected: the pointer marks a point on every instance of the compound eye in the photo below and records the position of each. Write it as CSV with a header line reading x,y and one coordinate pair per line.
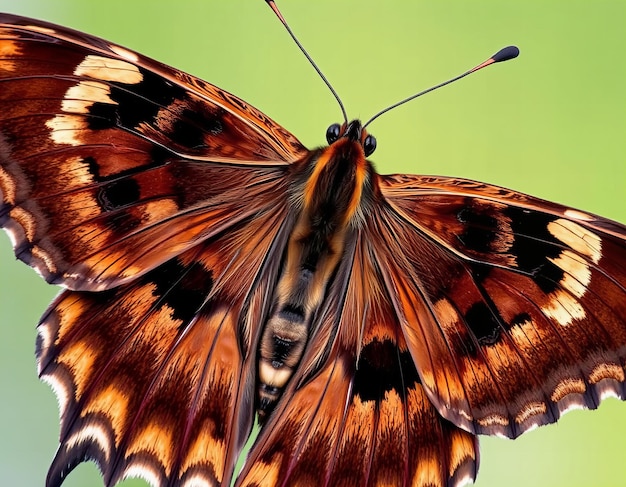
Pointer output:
x,y
332,133
369,145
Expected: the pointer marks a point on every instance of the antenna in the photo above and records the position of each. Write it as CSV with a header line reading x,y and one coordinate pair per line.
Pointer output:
x,y
504,54
306,54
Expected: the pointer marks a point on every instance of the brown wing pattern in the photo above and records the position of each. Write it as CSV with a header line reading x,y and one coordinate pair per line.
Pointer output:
x,y
457,308
112,147
121,175
514,308
156,378
348,421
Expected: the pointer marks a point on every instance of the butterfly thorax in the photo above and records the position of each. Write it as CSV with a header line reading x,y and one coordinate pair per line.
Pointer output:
x,y
332,188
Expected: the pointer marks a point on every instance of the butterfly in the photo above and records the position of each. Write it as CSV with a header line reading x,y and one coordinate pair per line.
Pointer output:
x,y
105,199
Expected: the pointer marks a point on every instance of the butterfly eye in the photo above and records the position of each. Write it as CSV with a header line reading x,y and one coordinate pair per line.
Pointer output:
x,y
369,145
332,133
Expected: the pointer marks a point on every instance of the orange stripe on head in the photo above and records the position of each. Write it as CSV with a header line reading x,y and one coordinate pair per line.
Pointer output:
x,y
320,164
360,173
357,159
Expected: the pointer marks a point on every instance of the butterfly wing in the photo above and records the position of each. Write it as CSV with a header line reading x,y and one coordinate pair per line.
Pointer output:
x,y
121,175
356,412
513,307
497,310
101,149
156,378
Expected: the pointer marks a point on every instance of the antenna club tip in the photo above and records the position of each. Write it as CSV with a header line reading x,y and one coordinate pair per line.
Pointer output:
x,y
504,54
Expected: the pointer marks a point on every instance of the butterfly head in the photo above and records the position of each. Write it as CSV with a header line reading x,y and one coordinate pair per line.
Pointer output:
x,y
352,131
335,177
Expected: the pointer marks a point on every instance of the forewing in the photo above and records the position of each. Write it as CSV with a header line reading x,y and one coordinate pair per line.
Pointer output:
x,y
112,163
155,378
514,308
356,413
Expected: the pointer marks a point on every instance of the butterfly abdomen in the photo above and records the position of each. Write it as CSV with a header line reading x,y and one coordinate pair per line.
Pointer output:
x,y
330,198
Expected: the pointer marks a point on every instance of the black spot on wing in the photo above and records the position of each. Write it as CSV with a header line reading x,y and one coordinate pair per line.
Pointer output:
x,y
183,289
103,116
141,103
196,122
381,368
118,194
483,324
158,90
480,228
548,277
187,134
480,272
94,168
534,245
134,103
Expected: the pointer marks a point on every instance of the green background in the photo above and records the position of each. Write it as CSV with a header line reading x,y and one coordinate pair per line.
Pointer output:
x,y
551,123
